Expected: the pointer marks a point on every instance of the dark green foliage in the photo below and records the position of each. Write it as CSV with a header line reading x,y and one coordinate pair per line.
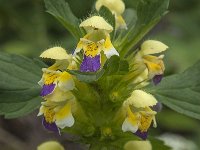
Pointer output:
x,y
149,14
181,92
19,92
61,11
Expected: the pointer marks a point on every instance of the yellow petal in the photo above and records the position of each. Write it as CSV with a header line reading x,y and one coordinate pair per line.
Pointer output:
x,y
98,4
96,22
154,69
49,114
145,121
65,122
140,99
127,126
152,47
90,48
109,50
115,6
78,47
64,117
66,82
64,111
61,64
55,53
59,95
131,123
120,22
50,78
80,44
137,145
50,145
154,64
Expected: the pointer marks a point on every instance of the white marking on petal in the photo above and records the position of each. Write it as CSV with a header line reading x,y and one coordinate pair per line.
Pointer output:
x,y
111,52
154,122
77,50
161,56
41,111
41,82
127,126
66,122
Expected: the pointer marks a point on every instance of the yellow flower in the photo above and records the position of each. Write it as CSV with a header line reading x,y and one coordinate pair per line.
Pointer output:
x,y
145,60
63,60
137,145
50,145
139,114
93,48
55,76
56,90
52,80
58,113
96,23
57,53
96,40
58,99
117,7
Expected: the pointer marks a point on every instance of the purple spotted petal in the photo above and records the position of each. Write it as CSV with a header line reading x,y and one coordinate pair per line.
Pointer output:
x,y
90,64
47,89
50,126
158,107
142,135
157,79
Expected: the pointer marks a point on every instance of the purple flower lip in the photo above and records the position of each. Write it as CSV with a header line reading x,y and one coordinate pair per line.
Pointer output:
x,y
157,79
142,135
158,107
47,89
50,126
90,64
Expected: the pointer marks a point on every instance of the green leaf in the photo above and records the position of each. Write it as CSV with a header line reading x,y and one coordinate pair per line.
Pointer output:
x,y
182,124
181,92
149,12
61,11
18,87
130,17
116,66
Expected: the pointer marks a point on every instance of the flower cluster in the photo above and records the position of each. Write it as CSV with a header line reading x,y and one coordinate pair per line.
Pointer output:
x,y
56,90
96,40
111,101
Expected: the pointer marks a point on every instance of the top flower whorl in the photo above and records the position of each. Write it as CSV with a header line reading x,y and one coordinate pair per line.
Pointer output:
x,y
96,22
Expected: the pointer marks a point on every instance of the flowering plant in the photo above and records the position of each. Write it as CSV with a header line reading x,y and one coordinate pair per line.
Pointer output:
x,y
107,91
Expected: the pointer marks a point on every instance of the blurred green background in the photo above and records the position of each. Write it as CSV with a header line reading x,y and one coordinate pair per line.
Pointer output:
x,y
26,29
